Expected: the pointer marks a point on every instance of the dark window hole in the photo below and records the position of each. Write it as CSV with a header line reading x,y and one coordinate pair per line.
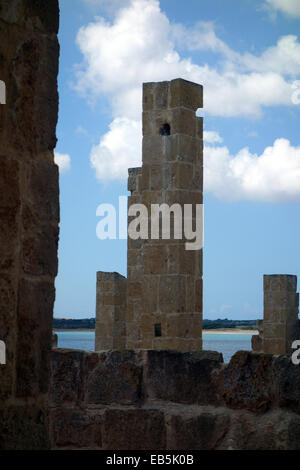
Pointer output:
x,y
157,329
165,129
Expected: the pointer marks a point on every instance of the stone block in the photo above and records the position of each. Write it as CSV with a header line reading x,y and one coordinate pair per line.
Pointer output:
x,y
186,94
8,331
172,295
257,343
76,428
199,127
275,345
181,148
28,121
148,96
35,16
180,120
133,174
145,179
154,150
180,175
134,429
113,377
200,430
66,377
39,254
181,261
246,382
155,259
41,198
280,282
274,330
199,295
34,320
9,241
150,294
156,178
23,427
184,325
182,377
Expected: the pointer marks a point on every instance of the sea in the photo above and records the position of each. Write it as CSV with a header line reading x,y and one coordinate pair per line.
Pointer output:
x,y
226,343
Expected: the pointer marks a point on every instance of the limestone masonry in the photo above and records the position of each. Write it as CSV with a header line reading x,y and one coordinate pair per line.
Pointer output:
x,y
163,295
280,326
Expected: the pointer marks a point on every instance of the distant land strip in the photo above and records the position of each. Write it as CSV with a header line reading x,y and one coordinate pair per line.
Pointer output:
x,y
89,324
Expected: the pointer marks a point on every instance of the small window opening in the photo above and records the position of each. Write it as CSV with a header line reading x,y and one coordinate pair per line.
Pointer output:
x,y
157,329
165,129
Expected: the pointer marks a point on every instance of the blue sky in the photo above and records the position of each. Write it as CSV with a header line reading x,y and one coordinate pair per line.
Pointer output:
x,y
247,55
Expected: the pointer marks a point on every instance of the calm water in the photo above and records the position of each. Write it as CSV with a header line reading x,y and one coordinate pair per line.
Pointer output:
x,y
227,344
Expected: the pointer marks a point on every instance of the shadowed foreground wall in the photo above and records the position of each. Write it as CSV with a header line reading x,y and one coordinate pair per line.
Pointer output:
x,y
29,216
172,400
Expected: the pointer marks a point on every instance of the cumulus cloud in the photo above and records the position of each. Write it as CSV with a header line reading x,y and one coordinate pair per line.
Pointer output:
x,y
118,149
63,161
284,58
289,7
273,176
212,137
140,44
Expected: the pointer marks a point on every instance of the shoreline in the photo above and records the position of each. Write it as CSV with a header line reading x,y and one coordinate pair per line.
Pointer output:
x,y
217,331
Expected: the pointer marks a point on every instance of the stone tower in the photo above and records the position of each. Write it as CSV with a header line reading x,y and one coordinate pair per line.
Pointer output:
x,y
159,306
164,284
280,326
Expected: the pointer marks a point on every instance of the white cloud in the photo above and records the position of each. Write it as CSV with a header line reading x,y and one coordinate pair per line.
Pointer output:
x,y
118,150
290,7
273,176
63,161
284,58
141,45
212,137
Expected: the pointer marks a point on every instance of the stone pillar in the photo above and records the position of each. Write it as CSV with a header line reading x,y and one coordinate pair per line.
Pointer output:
x,y
257,341
29,216
281,302
134,265
164,295
110,311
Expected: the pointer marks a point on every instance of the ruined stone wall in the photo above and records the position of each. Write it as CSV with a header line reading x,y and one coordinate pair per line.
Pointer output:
x,y
29,216
280,326
164,288
110,311
139,400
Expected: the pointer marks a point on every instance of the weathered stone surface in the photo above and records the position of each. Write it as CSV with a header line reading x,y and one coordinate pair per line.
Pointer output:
x,y
28,120
274,430
113,377
110,311
75,428
286,381
35,307
182,377
66,374
136,429
23,428
29,216
245,382
281,307
196,429
189,401
32,15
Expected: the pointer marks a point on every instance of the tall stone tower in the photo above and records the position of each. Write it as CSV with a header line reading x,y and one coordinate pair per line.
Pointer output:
x,y
164,284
